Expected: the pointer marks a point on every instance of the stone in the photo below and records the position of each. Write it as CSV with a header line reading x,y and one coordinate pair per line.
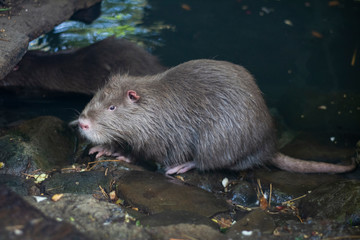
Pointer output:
x,y
155,193
41,143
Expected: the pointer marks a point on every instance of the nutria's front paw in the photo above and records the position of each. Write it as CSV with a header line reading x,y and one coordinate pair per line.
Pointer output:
x,y
101,151
110,152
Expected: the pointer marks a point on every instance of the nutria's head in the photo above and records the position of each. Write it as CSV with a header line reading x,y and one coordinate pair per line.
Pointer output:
x,y
111,114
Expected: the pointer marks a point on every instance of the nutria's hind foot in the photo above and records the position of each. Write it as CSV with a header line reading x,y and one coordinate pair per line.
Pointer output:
x,y
105,151
180,168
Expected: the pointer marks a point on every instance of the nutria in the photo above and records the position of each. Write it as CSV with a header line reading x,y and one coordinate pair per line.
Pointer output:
x,y
203,114
84,70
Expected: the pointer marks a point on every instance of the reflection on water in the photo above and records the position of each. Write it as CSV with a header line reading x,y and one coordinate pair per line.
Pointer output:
x,y
122,18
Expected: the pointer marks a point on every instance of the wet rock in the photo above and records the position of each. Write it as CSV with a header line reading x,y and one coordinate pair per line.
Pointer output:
x,y
18,184
155,193
19,220
186,231
287,186
98,219
210,181
315,229
338,201
243,193
81,182
256,219
27,20
41,143
175,217
87,15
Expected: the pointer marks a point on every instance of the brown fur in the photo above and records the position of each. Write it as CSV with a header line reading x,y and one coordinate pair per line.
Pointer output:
x,y
206,111
84,70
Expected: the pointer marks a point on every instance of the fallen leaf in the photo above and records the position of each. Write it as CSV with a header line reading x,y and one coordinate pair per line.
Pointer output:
x,y
39,198
288,22
225,223
316,34
112,195
353,59
225,182
40,177
57,197
263,203
334,3
185,7
181,178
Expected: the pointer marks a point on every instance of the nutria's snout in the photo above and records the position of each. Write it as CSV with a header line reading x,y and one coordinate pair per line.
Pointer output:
x,y
84,124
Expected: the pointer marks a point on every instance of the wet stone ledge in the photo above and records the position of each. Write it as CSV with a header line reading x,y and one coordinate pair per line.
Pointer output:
x,y
26,20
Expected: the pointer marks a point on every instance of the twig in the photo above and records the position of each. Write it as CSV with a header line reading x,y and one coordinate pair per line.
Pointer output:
x,y
270,195
99,161
292,200
104,193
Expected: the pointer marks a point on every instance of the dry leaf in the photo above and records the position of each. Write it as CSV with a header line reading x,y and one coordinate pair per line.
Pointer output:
x,y
353,59
263,203
57,197
112,195
180,178
334,3
185,7
288,22
316,34
225,223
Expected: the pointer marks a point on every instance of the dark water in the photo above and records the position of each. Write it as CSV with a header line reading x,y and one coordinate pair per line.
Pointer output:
x,y
297,50
287,43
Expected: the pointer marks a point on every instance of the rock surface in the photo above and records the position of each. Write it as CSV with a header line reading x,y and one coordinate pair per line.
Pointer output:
x,y
155,193
41,143
150,205
339,201
19,220
28,19
80,183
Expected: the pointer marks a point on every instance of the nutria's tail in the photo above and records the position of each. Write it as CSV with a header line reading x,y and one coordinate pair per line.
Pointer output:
x,y
302,166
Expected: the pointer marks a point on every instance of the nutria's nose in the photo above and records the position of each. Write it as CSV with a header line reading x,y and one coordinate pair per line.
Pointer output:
x,y
83,124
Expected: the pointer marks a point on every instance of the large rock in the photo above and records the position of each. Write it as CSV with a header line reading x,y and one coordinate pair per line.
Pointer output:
x,y
80,183
27,20
99,219
40,143
19,220
155,193
338,201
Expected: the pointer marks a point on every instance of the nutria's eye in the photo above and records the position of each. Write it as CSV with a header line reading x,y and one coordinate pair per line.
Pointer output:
x,y
112,108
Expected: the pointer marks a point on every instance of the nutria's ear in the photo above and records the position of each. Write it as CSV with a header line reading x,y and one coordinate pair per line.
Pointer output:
x,y
133,96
